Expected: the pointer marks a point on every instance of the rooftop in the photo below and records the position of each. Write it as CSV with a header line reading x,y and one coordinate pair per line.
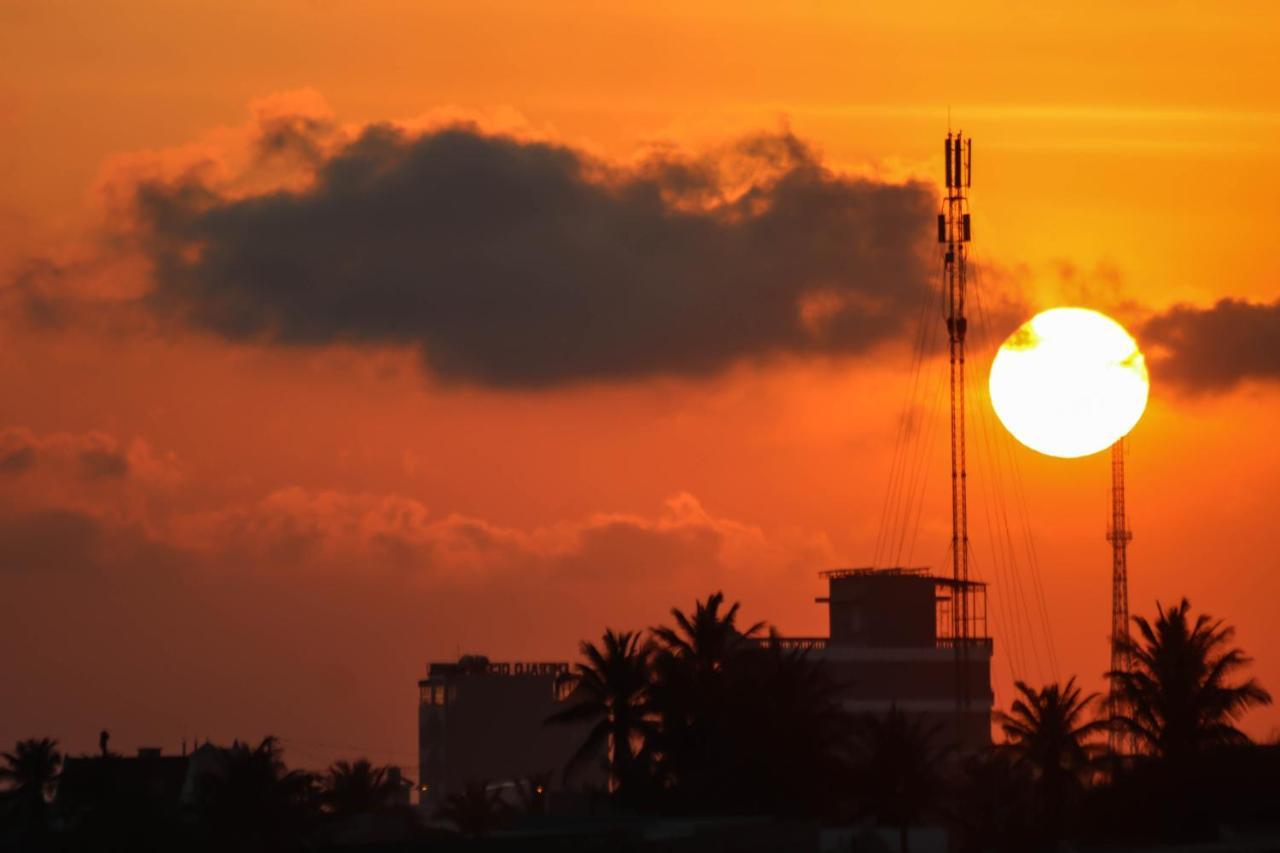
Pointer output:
x,y
921,572
478,665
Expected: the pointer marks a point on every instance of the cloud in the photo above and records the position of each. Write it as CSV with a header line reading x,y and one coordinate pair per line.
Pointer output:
x,y
296,527
103,462
389,549
517,263
90,456
93,456
1216,348
17,452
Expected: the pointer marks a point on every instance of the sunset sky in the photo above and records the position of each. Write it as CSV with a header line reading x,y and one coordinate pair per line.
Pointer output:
x,y
341,336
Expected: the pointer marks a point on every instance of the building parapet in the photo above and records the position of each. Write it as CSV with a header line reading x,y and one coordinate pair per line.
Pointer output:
x,y
824,643
486,667
900,571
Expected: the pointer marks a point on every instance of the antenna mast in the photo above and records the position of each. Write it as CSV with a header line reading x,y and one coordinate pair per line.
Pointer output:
x,y
954,232
1119,536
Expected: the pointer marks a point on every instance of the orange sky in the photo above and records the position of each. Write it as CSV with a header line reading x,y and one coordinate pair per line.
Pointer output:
x,y
218,537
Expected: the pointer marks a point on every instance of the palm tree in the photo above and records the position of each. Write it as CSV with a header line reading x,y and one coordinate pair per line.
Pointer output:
x,y
694,673
475,811
358,787
691,698
252,800
31,770
30,773
707,641
992,805
779,717
1046,732
611,688
899,769
1179,697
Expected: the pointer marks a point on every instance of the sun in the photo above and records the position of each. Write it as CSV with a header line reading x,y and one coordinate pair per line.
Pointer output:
x,y
1069,382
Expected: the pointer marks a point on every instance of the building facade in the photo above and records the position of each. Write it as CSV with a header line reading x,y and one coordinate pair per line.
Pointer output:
x,y
891,644
480,721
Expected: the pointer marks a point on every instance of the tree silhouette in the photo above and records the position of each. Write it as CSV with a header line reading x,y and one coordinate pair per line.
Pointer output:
x,y
706,642
30,773
1046,732
992,806
899,769
1179,699
691,700
358,787
611,688
253,801
780,718
474,811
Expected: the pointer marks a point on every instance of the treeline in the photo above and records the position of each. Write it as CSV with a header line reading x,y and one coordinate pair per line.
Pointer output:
x,y
704,716
238,797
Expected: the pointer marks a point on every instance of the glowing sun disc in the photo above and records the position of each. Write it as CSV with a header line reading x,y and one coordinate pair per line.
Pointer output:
x,y
1069,382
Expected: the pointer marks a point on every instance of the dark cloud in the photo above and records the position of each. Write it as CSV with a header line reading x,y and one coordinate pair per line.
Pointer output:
x,y
1214,349
515,263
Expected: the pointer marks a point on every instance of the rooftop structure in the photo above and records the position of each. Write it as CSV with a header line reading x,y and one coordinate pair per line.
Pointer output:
x,y
891,643
88,782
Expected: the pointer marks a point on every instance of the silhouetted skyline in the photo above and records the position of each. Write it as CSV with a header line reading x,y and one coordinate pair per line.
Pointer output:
x,y
341,338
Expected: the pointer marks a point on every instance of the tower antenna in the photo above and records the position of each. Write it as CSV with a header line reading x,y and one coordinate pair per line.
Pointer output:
x,y
954,232
1119,535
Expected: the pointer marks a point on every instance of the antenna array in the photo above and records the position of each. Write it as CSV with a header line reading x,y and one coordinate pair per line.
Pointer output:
x,y
955,232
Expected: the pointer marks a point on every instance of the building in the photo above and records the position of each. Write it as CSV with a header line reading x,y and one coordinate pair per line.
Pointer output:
x,y
88,782
891,643
110,793
480,721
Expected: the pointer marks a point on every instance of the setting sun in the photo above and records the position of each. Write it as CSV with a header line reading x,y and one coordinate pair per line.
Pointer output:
x,y
1069,382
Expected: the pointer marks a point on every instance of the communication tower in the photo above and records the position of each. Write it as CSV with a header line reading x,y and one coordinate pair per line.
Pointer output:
x,y
954,232
1119,536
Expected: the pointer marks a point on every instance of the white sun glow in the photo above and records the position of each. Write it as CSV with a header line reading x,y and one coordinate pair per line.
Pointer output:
x,y
1069,382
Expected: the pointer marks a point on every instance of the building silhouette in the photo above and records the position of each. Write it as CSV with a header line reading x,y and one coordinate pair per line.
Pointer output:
x,y
891,643
480,721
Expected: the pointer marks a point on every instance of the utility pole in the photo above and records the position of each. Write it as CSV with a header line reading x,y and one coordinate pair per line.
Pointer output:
x,y
1119,536
954,232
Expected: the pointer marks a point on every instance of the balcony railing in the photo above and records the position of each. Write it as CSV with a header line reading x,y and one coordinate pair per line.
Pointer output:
x,y
792,643
951,642
807,643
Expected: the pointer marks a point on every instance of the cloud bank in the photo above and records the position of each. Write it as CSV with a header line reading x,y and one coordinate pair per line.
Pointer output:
x,y
1217,348
516,263
85,503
